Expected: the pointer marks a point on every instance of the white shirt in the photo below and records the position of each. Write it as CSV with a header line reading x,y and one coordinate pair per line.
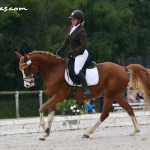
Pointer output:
x,y
73,28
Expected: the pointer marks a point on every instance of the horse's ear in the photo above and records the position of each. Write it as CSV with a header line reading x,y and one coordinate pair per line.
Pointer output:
x,y
18,55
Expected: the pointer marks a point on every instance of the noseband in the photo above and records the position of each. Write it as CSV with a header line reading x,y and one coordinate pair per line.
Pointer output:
x,y
29,77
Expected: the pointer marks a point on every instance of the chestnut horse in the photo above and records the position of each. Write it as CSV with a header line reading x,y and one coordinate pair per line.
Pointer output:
x,y
112,84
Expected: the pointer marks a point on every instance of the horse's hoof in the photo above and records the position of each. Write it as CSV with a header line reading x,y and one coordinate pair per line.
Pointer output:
x,y
135,132
41,139
85,136
47,131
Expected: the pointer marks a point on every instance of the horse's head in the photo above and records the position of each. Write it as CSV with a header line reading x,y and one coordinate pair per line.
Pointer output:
x,y
28,70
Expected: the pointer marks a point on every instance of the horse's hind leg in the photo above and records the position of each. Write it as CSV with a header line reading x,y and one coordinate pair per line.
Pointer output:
x,y
124,104
104,115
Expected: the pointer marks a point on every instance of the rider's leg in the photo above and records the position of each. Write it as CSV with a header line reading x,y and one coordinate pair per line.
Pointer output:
x,y
79,63
82,79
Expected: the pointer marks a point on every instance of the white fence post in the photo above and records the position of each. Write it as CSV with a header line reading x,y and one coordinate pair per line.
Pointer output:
x,y
41,98
16,93
17,104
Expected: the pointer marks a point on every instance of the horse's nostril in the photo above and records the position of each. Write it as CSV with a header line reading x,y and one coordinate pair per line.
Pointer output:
x,y
26,85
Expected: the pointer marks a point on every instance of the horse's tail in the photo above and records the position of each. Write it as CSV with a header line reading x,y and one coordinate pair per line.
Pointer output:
x,y
141,77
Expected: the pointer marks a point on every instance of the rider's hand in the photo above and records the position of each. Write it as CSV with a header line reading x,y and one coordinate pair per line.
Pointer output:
x,y
69,54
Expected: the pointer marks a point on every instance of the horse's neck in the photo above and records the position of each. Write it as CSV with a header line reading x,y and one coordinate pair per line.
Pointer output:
x,y
53,75
49,66
45,60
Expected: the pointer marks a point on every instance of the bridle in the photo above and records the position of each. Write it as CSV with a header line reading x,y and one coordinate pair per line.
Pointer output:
x,y
30,78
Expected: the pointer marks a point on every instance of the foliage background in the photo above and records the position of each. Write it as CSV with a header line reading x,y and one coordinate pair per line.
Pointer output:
x,y
116,29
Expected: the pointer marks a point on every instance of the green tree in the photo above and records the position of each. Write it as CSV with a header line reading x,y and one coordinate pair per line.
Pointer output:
x,y
141,22
115,28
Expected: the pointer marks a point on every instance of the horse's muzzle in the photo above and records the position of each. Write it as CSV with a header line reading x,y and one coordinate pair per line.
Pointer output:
x,y
29,84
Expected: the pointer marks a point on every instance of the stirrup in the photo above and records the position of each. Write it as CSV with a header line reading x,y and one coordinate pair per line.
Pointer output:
x,y
86,93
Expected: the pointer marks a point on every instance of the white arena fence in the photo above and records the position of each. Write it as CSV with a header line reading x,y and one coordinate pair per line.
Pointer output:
x,y
136,106
16,96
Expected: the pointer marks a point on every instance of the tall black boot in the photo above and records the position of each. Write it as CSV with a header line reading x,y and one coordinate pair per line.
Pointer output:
x,y
86,90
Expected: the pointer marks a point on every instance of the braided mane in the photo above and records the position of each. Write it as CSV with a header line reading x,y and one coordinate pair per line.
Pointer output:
x,y
44,53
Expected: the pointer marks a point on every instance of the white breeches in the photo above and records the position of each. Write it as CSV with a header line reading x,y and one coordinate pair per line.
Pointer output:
x,y
80,61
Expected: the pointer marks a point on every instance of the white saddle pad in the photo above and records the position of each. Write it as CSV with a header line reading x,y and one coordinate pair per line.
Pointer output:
x,y
92,77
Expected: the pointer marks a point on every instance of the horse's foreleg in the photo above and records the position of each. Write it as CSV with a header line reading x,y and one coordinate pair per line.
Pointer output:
x,y
42,123
50,104
50,120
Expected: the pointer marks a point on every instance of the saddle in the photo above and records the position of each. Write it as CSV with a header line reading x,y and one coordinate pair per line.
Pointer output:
x,y
89,69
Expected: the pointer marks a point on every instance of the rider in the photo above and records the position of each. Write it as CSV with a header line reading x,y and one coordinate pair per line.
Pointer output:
x,y
77,39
